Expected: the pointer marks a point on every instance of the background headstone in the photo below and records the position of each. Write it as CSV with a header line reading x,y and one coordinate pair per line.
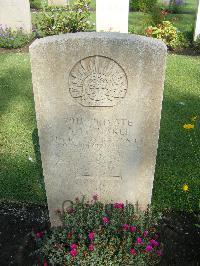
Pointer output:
x,y
197,28
15,14
112,15
98,102
58,2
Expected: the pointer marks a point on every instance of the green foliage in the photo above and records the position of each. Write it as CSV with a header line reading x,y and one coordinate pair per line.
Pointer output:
x,y
14,38
175,6
53,21
97,234
142,5
168,34
196,44
35,4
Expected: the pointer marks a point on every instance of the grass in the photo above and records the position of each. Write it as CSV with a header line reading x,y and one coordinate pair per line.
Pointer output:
x,y
20,178
21,174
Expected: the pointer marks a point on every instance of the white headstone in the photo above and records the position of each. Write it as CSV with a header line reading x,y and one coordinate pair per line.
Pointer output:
x,y
58,2
15,14
112,15
197,28
98,100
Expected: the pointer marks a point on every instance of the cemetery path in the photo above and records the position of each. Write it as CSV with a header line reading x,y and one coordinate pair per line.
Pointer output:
x,y
180,235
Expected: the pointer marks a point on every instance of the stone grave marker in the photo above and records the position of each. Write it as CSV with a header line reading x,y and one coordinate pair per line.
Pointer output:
x,y
58,2
98,99
197,28
15,14
112,15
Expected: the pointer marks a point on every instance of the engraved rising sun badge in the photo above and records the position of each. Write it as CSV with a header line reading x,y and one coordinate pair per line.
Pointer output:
x,y
97,81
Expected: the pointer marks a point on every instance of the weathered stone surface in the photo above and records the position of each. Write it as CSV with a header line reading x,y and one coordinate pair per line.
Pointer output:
x,y
197,27
15,14
112,15
58,2
98,101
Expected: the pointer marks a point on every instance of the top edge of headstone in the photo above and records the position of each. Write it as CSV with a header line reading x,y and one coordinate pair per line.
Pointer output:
x,y
130,38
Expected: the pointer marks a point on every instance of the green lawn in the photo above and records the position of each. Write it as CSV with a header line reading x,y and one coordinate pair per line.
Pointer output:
x,y
21,175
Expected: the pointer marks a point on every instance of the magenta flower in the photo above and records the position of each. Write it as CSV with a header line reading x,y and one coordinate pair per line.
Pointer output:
x,y
132,228
139,240
91,236
91,247
39,234
125,227
146,233
154,243
105,220
73,252
71,210
95,197
73,246
116,205
132,251
121,206
148,248
159,252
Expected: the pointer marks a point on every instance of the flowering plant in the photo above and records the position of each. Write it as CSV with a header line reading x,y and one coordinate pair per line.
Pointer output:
x,y
94,233
57,20
14,38
169,34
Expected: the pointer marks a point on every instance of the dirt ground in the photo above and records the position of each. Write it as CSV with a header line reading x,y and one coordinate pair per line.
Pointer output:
x,y
179,231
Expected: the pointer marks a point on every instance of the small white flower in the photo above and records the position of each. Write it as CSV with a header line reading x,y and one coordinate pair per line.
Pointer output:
x,y
181,103
30,159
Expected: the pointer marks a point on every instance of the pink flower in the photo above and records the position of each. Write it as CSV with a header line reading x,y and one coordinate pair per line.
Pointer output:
x,y
159,252
73,252
121,206
154,243
45,263
125,227
69,235
71,210
139,240
116,205
91,236
105,220
148,248
146,233
73,246
132,228
39,234
132,251
91,247
95,197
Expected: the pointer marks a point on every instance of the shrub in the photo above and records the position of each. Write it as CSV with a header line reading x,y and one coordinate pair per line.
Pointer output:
x,y
196,45
65,19
142,5
14,38
35,4
97,234
169,34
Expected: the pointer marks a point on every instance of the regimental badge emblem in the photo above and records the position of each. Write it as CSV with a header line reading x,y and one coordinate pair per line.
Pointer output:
x,y
97,81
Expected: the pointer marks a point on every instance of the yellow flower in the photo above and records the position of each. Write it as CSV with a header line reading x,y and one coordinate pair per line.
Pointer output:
x,y
185,187
188,126
194,118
